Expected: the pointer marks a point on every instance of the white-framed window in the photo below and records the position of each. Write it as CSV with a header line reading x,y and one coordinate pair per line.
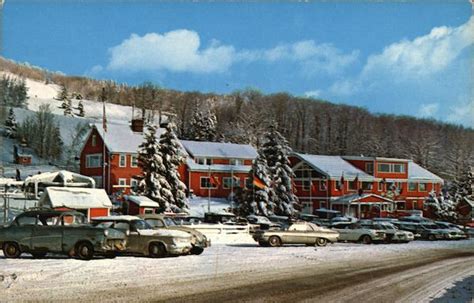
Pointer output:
x,y
133,161
412,186
94,140
205,182
203,161
306,185
122,160
122,181
133,183
227,182
94,160
367,185
381,186
323,185
236,162
353,185
98,181
391,167
422,187
369,167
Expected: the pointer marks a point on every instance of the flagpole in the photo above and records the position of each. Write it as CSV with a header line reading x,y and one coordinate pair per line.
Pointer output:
x,y
209,191
310,190
104,130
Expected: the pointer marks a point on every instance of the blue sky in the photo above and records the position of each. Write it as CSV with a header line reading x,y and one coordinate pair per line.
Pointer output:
x,y
390,57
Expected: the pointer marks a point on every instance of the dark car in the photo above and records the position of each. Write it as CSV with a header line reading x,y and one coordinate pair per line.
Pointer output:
x,y
43,231
422,231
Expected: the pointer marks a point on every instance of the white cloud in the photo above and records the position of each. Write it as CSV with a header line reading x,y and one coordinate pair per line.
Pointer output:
x,y
424,55
345,88
462,113
428,110
176,51
181,51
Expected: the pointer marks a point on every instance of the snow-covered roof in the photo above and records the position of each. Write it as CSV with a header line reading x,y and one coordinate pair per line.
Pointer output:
x,y
76,198
142,201
366,158
117,218
219,150
334,167
61,178
193,166
348,199
418,173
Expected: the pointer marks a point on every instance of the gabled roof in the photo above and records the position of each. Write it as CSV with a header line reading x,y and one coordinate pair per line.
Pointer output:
x,y
354,198
219,150
76,198
334,167
418,173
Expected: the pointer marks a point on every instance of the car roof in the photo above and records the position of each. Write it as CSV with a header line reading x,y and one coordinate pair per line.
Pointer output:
x,y
116,218
49,212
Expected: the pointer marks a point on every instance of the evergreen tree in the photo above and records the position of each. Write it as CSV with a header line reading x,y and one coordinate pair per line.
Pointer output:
x,y
10,124
203,126
56,143
80,107
62,94
67,105
154,184
257,199
275,149
442,207
21,94
172,158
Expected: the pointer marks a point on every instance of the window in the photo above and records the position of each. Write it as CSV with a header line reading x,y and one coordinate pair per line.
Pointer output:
x,y
93,161
94,140
391,168
22,221
381,186
123,160
236,162
422,187
206,183
306,185
369,168
203,161
133,183
248,183
133,161
305,172
367,185
227,182
412,186
122,182
353,185
98,181
323,185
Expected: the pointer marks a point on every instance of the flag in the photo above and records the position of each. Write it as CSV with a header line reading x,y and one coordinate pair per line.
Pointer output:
x,y
324,184
258,183
313,188
215,181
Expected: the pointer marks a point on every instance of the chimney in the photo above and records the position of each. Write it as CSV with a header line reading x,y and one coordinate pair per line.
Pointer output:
x,y
137,125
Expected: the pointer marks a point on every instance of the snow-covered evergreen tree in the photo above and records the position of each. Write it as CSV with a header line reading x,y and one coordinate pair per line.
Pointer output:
x,y
154,184
10,124
172,158
80,107
275,149
203,126
257,199
67,105
442,207
62,94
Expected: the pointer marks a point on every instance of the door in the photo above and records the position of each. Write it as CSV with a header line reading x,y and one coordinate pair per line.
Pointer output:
x,y
47,238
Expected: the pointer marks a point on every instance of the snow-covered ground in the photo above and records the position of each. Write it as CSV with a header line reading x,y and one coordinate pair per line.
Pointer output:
x,y
221,266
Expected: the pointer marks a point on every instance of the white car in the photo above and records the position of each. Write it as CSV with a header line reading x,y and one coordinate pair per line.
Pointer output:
x,y
393,234
355,232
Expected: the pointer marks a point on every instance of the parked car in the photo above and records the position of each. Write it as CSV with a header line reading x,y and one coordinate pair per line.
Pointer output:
x,y
447,234
456,232
261,223
160,222
422,231
144,240
355,232
296,233
393,234
43,231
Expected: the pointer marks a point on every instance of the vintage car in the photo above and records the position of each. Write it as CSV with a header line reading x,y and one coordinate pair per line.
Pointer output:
x,y
296,233
43,231
393,234
142,239
456,233
426,231
355,232
199,240
261,223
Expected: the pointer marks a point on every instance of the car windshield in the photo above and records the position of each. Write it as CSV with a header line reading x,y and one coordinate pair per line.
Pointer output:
x,y
169,222
103,224
430,226
140,224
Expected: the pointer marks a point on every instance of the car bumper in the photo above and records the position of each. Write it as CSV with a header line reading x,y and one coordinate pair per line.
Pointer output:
x,y
117,245
179,249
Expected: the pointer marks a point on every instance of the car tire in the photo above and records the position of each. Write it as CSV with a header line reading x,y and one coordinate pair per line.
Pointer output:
x,y
38,255
197,250
274,241
84,251
431,237
11,250
366,239
321,242
157,250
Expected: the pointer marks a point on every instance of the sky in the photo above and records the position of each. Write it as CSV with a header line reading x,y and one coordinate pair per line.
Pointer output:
x,y
412,58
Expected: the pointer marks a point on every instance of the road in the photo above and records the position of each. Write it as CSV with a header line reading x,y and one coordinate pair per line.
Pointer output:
x,y
343,272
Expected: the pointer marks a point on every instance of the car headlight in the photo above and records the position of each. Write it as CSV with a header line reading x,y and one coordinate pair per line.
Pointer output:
x,y
106,232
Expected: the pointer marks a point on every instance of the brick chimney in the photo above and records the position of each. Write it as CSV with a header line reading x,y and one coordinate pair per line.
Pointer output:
x,y
137,125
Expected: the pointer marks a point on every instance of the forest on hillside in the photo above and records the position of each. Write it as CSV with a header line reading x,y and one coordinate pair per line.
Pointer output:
x,y
310,125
